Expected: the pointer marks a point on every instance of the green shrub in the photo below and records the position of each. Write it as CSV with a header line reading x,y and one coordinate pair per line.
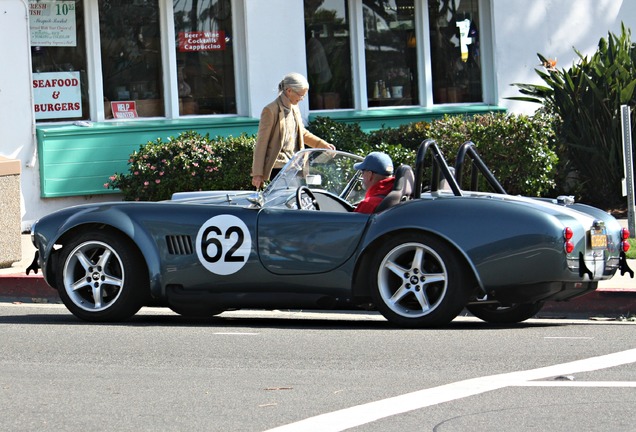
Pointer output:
x,y
408,135
236,154
352,139
519,150
346,137
631,253
587,98
190,162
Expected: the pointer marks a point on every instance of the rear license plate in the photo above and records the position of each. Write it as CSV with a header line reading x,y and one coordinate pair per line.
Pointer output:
x,y
598,239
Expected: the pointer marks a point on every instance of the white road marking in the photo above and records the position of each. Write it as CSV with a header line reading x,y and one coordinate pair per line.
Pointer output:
x,y
367,413
577,384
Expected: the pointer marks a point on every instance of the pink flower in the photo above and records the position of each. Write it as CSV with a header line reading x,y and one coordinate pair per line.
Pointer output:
x,y
136,173
146,183
157,181
106,185
112,178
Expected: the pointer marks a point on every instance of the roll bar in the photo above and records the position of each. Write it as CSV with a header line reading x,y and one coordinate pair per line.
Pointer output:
x,y
439,164
478,166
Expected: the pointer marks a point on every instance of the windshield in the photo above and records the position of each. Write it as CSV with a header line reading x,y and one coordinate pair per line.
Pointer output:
x,y
319,169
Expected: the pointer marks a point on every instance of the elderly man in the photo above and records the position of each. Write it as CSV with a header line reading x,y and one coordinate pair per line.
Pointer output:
x,y
377,179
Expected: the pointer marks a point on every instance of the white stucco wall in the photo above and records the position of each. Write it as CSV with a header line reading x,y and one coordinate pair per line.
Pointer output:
x,y
275,47
552,28
17,140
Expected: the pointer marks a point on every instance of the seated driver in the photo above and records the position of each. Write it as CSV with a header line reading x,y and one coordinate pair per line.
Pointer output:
x,y
377,180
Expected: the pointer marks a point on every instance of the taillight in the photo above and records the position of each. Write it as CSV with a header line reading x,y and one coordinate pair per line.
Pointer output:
x,y
567,236
624,236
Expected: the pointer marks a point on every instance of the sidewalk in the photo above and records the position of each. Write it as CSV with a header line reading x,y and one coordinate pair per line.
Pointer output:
x,y
613,298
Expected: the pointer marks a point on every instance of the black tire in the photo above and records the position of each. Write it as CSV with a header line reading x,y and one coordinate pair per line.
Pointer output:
x,y
198,312
418,281
102,277
498,314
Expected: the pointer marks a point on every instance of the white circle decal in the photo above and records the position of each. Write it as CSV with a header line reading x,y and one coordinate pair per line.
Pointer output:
x,y
224,244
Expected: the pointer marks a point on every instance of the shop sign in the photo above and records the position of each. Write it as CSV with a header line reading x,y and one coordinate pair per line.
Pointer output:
x,y
57,95
194,41
124,109
52,23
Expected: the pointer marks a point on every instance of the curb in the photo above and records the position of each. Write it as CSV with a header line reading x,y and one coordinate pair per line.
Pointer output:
x,y
605,302
602,302
27,289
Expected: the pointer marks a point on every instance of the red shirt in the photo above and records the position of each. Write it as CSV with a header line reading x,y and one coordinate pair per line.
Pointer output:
x,y
375,194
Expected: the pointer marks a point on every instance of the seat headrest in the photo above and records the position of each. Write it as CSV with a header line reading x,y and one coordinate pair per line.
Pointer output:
x,y
404,180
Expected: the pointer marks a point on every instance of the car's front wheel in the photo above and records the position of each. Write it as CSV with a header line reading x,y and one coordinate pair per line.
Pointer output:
x,y
102,277
498,314
418,281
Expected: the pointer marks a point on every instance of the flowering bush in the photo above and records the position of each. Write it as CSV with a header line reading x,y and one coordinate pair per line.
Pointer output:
x,y
190,162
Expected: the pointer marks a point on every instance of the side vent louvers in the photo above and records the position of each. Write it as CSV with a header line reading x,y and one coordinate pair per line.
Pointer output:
x,y
179,245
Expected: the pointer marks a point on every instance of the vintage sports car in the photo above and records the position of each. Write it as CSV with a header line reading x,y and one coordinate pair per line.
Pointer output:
x,y
431,249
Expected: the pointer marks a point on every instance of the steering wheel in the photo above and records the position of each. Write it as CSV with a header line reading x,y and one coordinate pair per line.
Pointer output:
x,y
305,199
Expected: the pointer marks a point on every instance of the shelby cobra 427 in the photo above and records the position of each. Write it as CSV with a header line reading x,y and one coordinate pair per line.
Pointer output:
x,y
430,250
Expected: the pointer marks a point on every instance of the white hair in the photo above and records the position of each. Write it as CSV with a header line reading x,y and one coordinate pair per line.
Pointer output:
x,y
294,81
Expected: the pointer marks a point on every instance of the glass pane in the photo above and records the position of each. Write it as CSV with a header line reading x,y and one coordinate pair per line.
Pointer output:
x,y
328,54
205,60
389,42
131,58
455,51
58,56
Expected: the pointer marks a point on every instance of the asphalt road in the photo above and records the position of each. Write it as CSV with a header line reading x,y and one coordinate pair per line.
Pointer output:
x,y
293,371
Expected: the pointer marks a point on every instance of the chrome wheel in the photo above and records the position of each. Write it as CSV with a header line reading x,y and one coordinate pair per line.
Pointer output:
x,y
102,276
418,281
412,280
93,276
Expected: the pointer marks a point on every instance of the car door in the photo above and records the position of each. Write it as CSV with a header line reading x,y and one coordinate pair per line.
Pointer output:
x,y
293,242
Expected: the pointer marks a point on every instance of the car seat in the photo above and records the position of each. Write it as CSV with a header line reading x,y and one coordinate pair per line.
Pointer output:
x,y
402,188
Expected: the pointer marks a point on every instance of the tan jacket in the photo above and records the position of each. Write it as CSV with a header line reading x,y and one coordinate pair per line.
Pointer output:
x,y
271,129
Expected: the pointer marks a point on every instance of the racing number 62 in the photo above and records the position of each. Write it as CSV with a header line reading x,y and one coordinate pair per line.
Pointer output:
x,y
211,236
224,244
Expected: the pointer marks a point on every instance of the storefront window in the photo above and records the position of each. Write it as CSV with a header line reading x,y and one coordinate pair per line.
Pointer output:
x,y
131,58
455,58
58,54
389,46
205,56
328,54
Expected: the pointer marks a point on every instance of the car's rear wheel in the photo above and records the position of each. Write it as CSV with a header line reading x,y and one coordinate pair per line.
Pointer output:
x,y
498,314
418,281
102,277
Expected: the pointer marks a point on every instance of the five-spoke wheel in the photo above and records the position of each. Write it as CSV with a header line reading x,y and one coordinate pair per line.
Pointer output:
x,y
418,281
101,277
